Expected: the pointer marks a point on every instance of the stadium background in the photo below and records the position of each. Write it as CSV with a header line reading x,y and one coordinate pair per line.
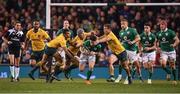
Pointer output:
x,y
86,17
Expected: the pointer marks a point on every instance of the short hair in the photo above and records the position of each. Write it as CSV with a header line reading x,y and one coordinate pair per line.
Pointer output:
x,y
147,24
163,21
93,38
108,26
80,31
124,20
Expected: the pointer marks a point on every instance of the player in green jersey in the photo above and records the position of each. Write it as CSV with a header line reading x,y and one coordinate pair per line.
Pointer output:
x,y
148,49
167,41
88,55
129,37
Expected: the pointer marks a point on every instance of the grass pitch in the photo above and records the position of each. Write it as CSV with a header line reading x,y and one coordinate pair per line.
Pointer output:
x,y
26,85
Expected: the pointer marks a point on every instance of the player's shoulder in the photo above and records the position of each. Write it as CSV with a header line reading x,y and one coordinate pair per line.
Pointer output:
x,y
170,30
132,29
30,30
11,30
142,34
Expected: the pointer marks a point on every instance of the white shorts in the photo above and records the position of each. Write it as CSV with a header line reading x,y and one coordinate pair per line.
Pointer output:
x,y
168,55
146,57
132,56
62,54
87,58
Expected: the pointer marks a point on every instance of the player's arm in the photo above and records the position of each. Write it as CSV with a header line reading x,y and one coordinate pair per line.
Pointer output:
x,y
176,41
68,53
26,44
5,38
153,47
104,39
137,38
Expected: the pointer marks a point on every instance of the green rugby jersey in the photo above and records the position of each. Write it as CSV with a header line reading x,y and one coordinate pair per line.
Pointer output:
x,y
126,35
147,40
166,38
95,48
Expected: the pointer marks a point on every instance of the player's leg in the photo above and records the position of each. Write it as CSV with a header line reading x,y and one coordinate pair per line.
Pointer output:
x,y
91,62
59,67
36,57
11,59
151,59
83,61
163,61
134,58
124,61
17,54
111,61
172,57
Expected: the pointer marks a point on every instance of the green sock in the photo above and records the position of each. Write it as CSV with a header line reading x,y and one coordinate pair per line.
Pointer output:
x,y
89,74
133,71
120,69
167,70
174,73
150,74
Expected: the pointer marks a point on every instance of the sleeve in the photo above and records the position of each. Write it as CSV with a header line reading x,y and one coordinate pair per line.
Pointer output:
x,y
141,37
59,32
72,34
46,36
173,35
135,33
28,35
63,43
7,35
86,43
99,47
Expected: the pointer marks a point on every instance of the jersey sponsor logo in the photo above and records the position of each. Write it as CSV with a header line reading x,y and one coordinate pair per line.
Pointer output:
x,y
150,38
163,39
146,42
125,37
15,39
144,37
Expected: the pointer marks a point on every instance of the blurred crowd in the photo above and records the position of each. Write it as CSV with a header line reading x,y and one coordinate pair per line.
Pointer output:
x,y
86,17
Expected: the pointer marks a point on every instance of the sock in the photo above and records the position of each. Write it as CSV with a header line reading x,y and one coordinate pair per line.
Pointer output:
x,y
57,71
120,69
167,70
12,70
89,74
174,73
17,72
72,67
111,75
133,71
150,74
34,69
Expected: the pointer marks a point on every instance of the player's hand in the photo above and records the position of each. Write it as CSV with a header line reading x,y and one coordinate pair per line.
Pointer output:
x,y
158,49
9,42
95,42
147,49
130,42
172,45
92,53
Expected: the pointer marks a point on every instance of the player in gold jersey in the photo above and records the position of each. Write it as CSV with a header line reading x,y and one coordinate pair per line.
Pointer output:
x,y
36,36
73,48
116,47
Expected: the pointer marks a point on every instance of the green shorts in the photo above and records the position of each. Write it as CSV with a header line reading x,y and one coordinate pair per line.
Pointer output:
x,y
122,56
37,55
50,51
